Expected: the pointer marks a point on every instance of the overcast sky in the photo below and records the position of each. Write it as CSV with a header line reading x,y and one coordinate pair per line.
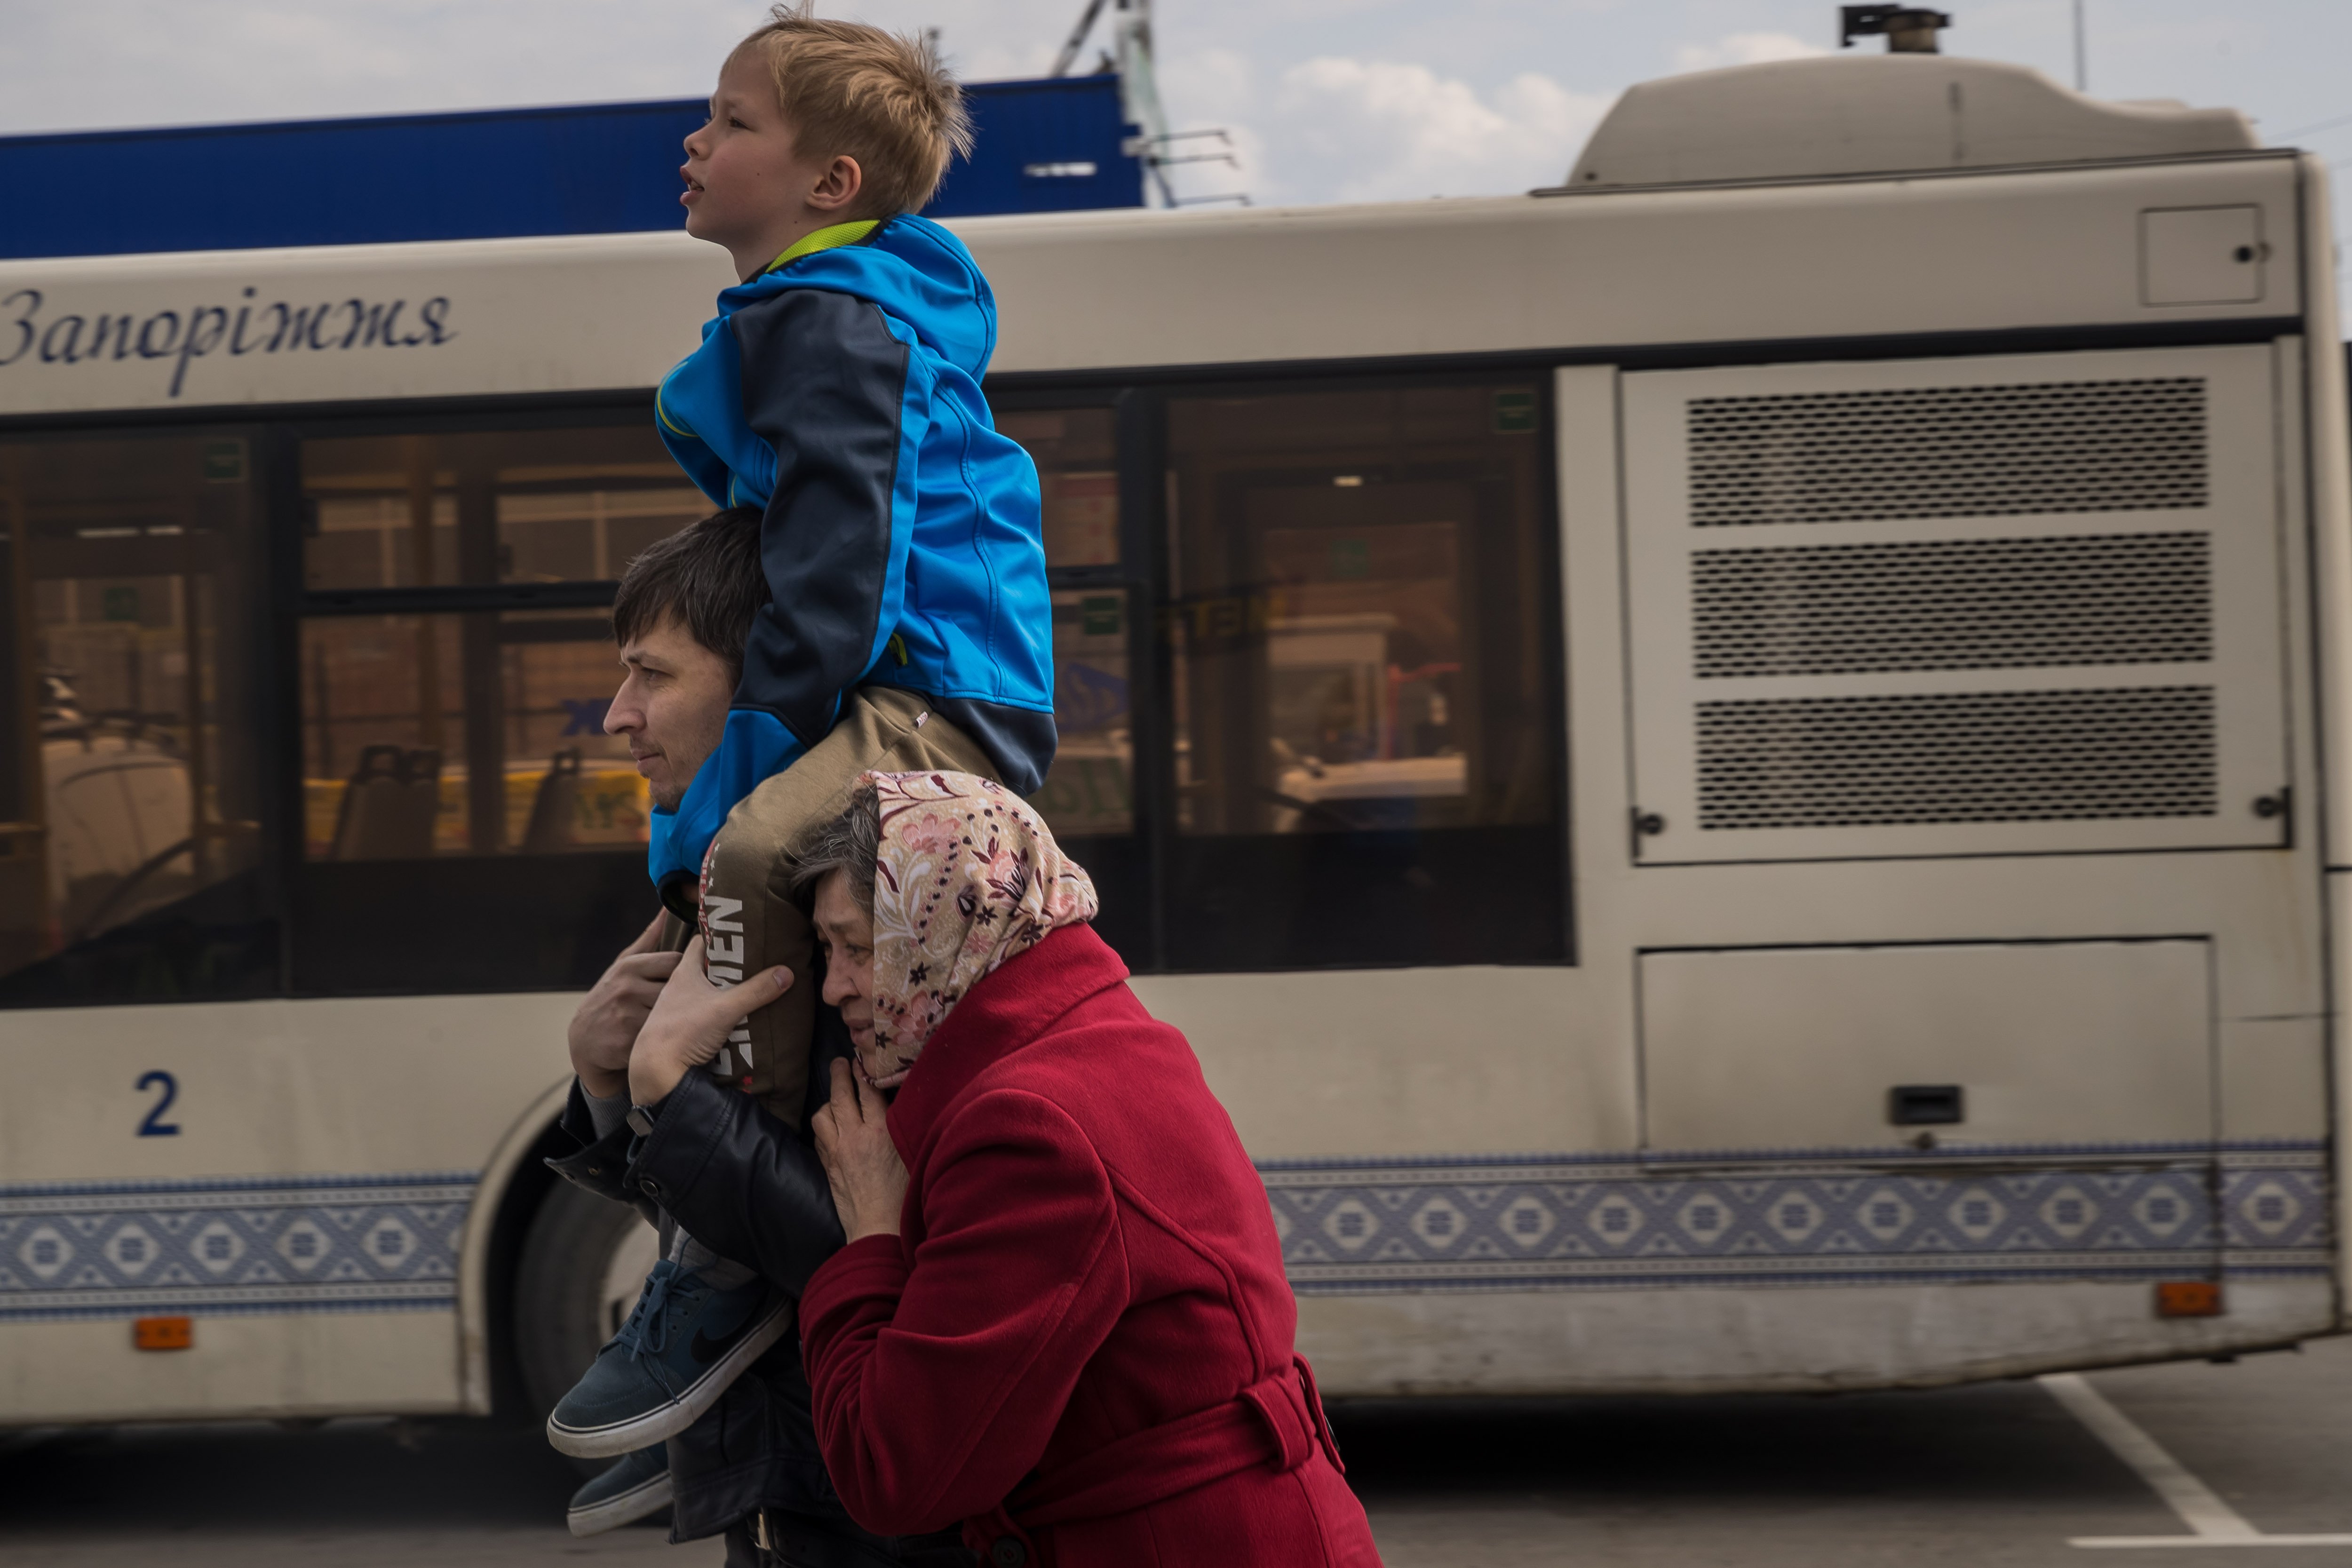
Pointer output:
x,y
1329,99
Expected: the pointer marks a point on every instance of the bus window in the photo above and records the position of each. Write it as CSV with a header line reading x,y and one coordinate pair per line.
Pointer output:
x,y
1077,480
130,816
464,824
475,734
1361,623
454,731
508,506
1090,790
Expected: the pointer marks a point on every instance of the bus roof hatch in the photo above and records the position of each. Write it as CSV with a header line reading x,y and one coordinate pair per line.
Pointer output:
x,y
1878,114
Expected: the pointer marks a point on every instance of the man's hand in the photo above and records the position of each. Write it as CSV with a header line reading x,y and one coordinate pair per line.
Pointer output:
x,y
853,1139
691,1019
607,1023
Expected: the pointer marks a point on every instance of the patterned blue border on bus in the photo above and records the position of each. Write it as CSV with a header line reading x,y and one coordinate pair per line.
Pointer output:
x,y
257,1244
1808,1217
1750,1219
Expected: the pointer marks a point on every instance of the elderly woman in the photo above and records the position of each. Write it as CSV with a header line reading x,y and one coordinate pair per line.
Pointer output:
x,y
1060,1317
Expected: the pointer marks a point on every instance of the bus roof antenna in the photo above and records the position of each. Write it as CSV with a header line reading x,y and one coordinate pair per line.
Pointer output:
x,y
1908,29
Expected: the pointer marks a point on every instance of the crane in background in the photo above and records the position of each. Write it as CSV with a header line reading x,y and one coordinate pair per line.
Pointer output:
x,y
1129,57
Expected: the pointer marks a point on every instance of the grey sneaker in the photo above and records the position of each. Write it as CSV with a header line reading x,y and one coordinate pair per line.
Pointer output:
x,y
636,1487
683,1344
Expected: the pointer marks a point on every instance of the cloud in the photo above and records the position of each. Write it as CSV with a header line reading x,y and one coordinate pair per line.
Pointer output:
x,y
1745,49
1355,129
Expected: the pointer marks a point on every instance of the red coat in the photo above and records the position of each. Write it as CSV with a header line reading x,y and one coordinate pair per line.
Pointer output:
x,y
1088,1287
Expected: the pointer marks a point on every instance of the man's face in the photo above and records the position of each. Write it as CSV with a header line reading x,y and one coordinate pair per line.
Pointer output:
x,y
847,932
672,706
743,174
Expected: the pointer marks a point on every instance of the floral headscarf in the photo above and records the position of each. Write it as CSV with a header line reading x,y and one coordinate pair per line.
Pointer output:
x,y
967,876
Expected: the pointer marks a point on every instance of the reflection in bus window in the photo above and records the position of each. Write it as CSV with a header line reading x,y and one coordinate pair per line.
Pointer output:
x,y
128,791
475,734
1089,793
1077,480
1356,618
509,506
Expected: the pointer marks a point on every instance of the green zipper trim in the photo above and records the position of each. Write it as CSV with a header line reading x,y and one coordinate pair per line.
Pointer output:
x,y
819,240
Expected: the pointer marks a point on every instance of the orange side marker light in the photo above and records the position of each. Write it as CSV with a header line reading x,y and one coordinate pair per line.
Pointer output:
x,y
2189,1299
162,1333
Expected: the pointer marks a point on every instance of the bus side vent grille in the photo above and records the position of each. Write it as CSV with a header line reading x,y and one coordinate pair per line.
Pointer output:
x,y
1952,757
1995,603
1948,451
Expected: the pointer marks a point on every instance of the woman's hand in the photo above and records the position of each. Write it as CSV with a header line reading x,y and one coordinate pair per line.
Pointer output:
x,y
691,1019
870,1181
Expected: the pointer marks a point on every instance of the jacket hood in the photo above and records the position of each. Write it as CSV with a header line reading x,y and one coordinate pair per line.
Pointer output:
x,y
908,267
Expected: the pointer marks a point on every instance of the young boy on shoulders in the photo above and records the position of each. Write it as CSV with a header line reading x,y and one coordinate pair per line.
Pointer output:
x,y
906,623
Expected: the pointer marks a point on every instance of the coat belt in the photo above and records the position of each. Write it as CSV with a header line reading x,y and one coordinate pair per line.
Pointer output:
x,y
1277,1421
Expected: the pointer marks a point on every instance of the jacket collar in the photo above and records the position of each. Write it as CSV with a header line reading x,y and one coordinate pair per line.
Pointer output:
x,y
818,239
1010,1008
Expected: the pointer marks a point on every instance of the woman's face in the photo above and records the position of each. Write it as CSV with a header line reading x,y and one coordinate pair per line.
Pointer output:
x,y
847,932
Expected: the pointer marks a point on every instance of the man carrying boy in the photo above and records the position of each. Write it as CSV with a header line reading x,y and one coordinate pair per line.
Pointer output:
x,y
905,621
683,612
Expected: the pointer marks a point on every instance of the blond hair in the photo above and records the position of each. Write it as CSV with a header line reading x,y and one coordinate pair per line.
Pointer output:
x,y
877,97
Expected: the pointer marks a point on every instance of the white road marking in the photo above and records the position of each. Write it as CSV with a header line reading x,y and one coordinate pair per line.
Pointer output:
x,y
2213,1522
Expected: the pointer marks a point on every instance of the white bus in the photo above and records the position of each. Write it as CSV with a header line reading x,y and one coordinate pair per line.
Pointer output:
x,y
1731,768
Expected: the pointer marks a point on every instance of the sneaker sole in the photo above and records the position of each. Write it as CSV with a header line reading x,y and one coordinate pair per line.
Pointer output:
x,y
656,1425
646,1497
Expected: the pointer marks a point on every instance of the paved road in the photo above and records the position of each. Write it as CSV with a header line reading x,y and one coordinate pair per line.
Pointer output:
x,y
2003,1474
1998,1474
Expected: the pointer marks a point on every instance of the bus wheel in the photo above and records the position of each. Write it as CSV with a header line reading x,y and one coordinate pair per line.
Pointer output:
x,y
583,1261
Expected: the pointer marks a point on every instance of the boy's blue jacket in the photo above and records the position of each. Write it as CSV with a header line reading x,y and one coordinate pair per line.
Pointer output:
x,y
839,391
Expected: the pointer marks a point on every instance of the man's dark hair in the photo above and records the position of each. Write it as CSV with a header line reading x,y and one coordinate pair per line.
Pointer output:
x,y
706,575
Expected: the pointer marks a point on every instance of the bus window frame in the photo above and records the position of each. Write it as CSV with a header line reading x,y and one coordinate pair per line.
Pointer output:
x,y
1139,401
267,453
1147,539
1136,436
318,893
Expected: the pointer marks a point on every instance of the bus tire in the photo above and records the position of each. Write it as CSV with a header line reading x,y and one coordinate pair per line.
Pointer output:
x,y
582,1260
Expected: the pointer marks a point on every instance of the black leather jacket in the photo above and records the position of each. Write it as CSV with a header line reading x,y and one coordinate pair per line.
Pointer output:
x,y
749,1187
